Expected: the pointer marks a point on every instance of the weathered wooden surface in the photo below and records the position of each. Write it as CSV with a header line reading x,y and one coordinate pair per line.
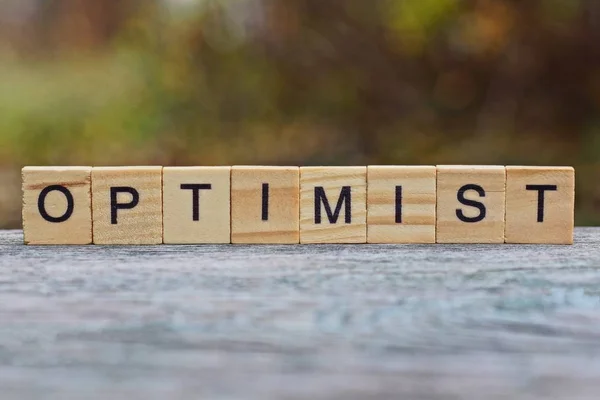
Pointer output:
x,y
311,322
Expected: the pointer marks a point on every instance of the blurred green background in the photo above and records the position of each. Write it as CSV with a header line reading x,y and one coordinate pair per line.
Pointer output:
x,y
300,82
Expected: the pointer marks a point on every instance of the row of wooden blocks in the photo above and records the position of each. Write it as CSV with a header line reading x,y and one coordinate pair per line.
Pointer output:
x,y
261,204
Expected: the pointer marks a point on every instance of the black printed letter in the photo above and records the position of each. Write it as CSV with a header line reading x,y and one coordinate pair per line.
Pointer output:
x,y
540,206
114,206
345,198
461,198
196,188
42,203
265,201
398,204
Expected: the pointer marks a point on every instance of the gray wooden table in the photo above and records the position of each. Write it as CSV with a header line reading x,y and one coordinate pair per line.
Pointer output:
x,y
300,322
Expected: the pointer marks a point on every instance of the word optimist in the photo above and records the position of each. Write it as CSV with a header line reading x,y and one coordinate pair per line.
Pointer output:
x,y
286,205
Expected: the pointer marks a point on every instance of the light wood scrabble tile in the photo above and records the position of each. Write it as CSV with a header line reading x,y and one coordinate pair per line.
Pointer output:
x,y
333,205
470,204
540,203
196,206
264,204
401,204
127,205
57,205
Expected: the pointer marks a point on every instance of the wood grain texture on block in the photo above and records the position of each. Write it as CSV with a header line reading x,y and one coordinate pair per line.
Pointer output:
x,y
401,204
470,204
264,204
333,205
540,204
196,206
127,205
57,205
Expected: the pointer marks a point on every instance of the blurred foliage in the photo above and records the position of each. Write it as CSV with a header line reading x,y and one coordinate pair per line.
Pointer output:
x,y
301,82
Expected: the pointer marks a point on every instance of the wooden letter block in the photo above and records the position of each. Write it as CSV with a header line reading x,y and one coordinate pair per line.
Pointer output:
x,y
540,204
127,205
196,205
470,204
401,204
57,205
333,205
264,204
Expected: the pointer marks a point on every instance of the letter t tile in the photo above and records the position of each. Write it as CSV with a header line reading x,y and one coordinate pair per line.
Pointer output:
x,y
196,205
539,204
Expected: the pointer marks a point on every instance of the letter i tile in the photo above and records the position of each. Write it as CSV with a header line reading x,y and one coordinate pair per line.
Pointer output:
x,y
333,205
470,204
57,205
401,204
264,204
127,205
